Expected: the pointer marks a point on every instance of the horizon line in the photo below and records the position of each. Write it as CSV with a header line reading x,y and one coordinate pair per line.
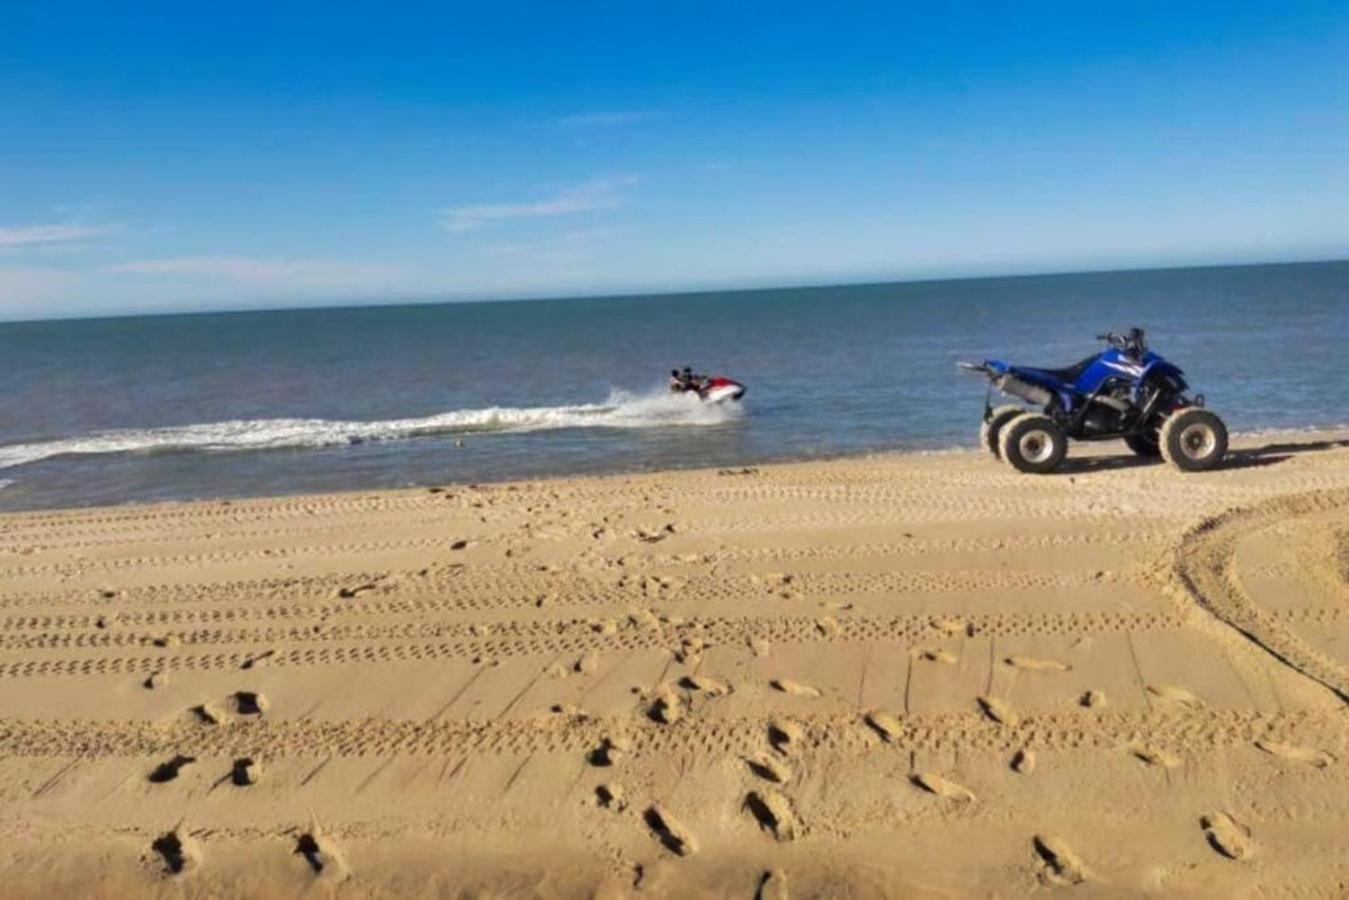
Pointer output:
x,y
427,300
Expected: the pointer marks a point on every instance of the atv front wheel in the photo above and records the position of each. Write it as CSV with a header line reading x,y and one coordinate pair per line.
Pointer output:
x,y
1033,443
1144,444
1193,439
993,425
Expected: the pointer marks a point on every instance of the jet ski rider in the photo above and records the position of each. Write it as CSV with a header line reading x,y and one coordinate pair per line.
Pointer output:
x,y
684,381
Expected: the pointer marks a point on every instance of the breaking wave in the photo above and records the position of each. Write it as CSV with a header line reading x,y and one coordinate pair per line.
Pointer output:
x,y
621,410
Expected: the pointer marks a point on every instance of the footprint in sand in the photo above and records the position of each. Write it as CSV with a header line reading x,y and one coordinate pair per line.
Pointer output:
x,y
318,852
690,650
1228,836
785,735
1173,694
999,711
610,750
769,769
210,713
168,771
652,535
937,655
942,787
666,708
886,724
178,851
1035,664
774,814
1060,865
257,659
611,796
1023,761
246,771
348,593
828,627
772,886
795,688
1309,755
706,684
1155,756
670,831
568,709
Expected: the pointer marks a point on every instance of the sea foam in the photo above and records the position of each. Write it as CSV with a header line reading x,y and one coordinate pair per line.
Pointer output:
x,y
620,410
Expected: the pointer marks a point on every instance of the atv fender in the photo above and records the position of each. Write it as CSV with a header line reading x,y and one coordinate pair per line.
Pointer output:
x,y
1156,369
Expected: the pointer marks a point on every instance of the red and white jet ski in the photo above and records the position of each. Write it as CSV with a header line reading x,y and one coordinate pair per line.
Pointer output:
x,y
720,389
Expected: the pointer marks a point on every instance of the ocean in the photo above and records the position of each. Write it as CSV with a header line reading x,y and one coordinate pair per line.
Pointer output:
x,y
98,411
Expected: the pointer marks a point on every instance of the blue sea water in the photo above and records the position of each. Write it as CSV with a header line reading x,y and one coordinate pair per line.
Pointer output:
x,y
237,404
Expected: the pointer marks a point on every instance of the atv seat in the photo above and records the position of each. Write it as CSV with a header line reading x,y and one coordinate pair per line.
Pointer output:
x,y
1070,374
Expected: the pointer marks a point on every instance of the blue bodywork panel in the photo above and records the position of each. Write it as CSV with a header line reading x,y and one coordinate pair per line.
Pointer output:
x,y
1074,383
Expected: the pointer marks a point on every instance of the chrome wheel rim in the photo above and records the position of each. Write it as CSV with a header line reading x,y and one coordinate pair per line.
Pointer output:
x,y
1036,445
1198,440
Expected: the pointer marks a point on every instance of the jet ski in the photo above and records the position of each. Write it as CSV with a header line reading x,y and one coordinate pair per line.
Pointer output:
x,y
709,388
720,389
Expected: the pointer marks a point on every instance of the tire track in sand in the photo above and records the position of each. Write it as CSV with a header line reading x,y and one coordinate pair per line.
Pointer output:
x,y
1204,565
845,734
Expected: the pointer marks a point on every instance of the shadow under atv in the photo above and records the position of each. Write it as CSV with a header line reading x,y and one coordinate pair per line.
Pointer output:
x,y
1249,457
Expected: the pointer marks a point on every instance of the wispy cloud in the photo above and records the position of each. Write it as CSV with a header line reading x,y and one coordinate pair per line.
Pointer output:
x,y
596,194
266,272
30,235
606,117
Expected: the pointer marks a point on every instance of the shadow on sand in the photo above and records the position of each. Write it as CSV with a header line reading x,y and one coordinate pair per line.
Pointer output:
x,y
1245,458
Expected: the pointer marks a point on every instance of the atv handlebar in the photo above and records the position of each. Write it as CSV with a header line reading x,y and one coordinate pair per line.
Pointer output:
x,y
1134,343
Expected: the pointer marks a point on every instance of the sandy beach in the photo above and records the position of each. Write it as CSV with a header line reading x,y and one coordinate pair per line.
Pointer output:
x,y
902,675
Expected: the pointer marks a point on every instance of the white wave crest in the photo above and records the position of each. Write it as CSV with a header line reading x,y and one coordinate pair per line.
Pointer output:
x,y
621,410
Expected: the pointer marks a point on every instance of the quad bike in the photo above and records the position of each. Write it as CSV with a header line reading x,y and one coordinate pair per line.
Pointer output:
x,y
1127,391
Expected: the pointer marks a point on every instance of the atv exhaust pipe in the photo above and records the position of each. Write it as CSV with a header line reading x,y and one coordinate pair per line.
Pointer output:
x,y
1015,387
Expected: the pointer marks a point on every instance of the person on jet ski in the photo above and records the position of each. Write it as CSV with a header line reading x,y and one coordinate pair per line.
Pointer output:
x,y
696,382
682,382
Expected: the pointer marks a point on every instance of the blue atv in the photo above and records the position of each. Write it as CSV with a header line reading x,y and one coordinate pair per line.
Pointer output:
x,y
1126,392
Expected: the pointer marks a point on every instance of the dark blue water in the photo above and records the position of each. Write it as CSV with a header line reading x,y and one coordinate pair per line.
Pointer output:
x,y
111,410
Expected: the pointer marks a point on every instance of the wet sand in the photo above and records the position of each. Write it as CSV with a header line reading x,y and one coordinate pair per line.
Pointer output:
x,y
903,675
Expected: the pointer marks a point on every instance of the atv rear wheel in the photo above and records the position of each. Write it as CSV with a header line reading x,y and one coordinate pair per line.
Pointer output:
x,y
993,425
1144,444
1033,443
1193,439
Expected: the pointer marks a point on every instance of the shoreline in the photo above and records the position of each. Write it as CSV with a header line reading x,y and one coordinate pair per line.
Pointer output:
x,y
903,674
1242,441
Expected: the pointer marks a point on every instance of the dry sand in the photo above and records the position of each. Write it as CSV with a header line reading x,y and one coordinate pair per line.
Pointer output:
x,y
899,675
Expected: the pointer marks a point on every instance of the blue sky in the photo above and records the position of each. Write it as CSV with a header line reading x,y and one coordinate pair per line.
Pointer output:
x,y
180,157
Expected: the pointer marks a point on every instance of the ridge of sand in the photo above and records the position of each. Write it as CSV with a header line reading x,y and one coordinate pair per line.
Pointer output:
x,y
885,676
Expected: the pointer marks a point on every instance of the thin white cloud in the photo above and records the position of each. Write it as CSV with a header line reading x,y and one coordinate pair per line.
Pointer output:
x,y
596,194
29,235
606,117
271,272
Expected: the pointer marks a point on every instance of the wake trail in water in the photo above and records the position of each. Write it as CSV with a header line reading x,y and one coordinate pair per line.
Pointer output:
x,y
621,410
